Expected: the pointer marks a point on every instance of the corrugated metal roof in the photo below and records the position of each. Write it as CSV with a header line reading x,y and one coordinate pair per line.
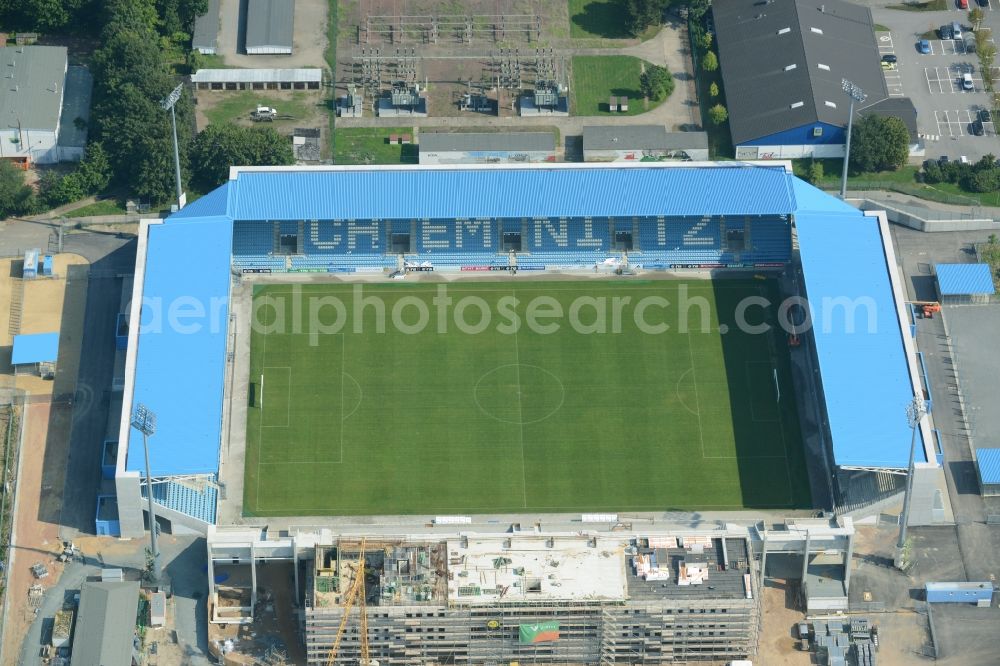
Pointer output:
x,y
488,141
179,370
503,192
206,28
303,75
269,23
213,203
105,624
964,279
862,361
33,79
624,137
988,461
770,53
35,348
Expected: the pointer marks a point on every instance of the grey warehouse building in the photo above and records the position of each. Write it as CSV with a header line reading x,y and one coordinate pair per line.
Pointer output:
x,y
206,30
638,143
487,148
270,27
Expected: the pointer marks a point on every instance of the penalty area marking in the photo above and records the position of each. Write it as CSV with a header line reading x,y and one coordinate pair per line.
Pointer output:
x,y
288,402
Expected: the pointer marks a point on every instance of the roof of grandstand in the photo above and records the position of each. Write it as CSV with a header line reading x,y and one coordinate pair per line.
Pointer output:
x,y
181,355
179,373
856,325
435,194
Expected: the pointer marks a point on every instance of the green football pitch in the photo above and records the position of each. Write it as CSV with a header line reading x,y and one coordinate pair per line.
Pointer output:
x,y
484,400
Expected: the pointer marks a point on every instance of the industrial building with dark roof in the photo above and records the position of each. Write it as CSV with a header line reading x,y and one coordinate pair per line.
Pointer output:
x,y
270,27
783,64
105,624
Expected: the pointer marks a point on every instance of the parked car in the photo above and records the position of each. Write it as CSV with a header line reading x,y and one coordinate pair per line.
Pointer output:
x,y
924,46
976,128
956,29
967,83
889,57
945,32
963,4
983,3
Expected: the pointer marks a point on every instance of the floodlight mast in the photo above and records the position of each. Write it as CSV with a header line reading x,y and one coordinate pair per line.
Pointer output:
x,y
915,412
144,420
857,95
168,105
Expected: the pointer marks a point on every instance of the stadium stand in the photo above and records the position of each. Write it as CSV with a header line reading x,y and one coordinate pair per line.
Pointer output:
x,y
199,504
344,219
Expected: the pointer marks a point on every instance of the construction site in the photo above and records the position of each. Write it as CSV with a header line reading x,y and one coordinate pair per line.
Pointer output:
x,y
520,596
431,61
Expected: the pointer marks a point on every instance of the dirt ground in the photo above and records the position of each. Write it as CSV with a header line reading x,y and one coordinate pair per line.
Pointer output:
x,y
275,622
36,537
778,644
312,103
56,304
47,305
308,41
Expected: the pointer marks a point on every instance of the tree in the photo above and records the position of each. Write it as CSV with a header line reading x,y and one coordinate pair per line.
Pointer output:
x,y
640,14
656,83
710,62
879,143
705,41
219,147
16,198
713,90
815,171
699,8
976,17
718,114
56,190
95,169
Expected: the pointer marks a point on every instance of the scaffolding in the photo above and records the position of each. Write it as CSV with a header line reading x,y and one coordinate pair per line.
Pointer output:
x,y
451,602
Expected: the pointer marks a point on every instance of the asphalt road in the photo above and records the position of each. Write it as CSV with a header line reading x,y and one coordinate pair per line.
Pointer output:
x,y
969,550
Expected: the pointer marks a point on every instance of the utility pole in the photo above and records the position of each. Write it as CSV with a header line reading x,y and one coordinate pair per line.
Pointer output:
x,y
168,105
857,95
915,412
144,420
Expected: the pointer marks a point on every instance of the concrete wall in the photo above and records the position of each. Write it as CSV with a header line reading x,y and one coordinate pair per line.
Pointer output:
x,y
39,145
638,154
781,152
913,220
486,156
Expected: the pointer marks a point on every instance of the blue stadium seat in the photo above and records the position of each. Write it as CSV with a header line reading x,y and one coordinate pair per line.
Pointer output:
x,y
186,499
574,235
254,237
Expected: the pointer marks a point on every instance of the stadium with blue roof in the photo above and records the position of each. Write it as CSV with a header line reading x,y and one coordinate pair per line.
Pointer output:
x,y
756,218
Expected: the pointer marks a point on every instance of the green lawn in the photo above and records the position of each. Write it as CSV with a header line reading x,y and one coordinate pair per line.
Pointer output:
x,y
238,105
596,78
597,18
106,207
511,418
902,180
364,145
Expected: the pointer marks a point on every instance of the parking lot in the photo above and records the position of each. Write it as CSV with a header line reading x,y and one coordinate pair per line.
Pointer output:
x,y
946,110
948,80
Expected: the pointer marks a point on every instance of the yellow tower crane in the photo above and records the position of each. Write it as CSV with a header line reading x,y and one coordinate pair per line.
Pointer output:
x,y
355,595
